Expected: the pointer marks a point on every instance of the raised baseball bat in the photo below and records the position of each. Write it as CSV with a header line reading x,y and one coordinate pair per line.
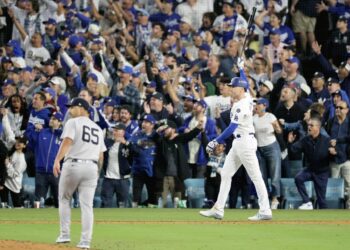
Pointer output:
x,y
249,31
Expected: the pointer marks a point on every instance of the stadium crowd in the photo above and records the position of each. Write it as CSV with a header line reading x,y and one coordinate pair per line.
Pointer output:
x,y
156,74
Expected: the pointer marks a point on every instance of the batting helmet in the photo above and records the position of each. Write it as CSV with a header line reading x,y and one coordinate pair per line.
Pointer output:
x,y
238,82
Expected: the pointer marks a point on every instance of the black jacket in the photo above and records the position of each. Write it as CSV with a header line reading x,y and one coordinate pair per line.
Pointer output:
x,y
124,157
180,156
315,151
3,155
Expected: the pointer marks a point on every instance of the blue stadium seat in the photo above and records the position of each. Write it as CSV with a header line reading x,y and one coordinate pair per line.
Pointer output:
x,y
335,193
289,192
294,167
195,192
28,188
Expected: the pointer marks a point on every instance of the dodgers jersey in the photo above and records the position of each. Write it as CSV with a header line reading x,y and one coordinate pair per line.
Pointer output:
x,y
87,138
242,114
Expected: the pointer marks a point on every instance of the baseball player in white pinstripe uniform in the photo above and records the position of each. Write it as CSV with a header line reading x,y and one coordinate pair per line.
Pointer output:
x,y
82,148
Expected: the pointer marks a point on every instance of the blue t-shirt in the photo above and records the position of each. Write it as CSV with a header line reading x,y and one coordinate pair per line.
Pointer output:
x,y
171,21
287,35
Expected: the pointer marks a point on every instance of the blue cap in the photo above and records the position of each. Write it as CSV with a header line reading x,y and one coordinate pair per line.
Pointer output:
x,y
293,59
111,103
5,59
50,21
275,32
171,31
64,2
136,73
58,115
74,40
238,82
93,76
28,69
202,103
342,18
97,41
152,84
87,9
8,82
205,47
149,118
13,43
64,34
127,69
229,2
51,91
318,75
332,80
263,101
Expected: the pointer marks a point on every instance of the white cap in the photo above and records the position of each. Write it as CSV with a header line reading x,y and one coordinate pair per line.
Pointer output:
x,y
94,29
304,87
268,84
186,20
59,81
19,62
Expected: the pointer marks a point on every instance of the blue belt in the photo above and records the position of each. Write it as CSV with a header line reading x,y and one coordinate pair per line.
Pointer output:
x,y
239,136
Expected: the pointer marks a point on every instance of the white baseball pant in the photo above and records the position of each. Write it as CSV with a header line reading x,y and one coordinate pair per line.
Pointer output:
x,y
83,176
243,151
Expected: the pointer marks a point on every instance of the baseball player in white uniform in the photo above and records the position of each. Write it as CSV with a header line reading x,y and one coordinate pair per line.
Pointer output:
x,y
82,148
243,151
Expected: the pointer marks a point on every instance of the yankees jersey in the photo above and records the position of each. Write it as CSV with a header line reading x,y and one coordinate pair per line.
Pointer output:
x,y
87,139
242,114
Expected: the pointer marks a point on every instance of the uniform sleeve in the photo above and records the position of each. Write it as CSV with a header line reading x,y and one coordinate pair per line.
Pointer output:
x,y
69,130
238,114
103,145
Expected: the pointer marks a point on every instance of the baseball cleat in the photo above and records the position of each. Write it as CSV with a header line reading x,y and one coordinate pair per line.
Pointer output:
x,y
213,213
62,239
83,245
260,216
306,206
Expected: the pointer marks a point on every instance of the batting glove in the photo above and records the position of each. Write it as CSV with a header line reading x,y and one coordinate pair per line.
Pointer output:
x,y
240,62
211,146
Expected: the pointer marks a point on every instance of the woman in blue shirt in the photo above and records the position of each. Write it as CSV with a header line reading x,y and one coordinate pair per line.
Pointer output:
x,y
274,23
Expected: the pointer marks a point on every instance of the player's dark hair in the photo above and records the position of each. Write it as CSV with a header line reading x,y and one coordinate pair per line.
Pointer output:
x,y
127,108
225,80
211,16
22,101
41,95
161,26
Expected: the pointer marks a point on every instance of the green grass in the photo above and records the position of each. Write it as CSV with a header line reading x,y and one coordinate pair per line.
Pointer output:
x,y
185,229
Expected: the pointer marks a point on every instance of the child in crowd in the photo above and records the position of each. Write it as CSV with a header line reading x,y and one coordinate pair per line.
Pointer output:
x,y
15,166
212,176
